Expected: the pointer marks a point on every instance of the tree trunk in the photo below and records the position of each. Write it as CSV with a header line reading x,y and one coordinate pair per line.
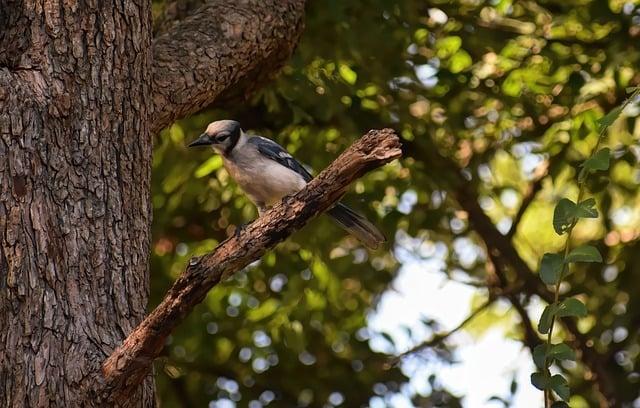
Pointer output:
x,y
74,192
76,118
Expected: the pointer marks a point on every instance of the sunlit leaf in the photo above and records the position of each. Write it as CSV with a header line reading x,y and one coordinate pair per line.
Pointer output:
x,y
448,46
608,119
314,299
600,161
212,164
266,309
460,61
347,74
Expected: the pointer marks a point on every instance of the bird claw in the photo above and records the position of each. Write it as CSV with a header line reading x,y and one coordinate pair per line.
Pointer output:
x,y
239,229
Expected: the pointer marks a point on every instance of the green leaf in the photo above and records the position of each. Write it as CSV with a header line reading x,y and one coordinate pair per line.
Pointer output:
x,y
632,89
545,320
266,309
561,351
551,268
347,74
208,167
566,213
559,384
540,354
460,61
600,161
584,253
539,381
559,404
447,46
571,307
586,209
608,119
294,336
564,216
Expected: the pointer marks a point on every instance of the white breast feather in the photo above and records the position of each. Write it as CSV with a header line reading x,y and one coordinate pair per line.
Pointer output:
x,y
264,180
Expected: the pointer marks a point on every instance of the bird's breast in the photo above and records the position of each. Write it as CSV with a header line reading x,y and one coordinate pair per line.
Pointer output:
x,y
263,180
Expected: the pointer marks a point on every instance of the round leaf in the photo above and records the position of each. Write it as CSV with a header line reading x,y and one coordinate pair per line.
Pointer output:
x,y
564,216
571,307
586,209
551,268
561,351
584,253
539,381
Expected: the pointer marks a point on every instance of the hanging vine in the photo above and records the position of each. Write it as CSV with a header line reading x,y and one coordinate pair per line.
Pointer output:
x,y
554,267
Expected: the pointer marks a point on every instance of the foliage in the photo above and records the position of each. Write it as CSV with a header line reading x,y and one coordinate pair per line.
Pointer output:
x,y
498,104
554,267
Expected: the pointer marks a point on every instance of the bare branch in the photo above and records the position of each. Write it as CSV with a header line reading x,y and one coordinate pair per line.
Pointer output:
x,y
226,47
439,338
130,363
530,195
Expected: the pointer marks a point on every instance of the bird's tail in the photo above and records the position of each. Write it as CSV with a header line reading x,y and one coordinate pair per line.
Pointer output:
x,y
356,225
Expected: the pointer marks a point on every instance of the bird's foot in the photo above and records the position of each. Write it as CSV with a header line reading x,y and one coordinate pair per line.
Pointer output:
x,y
239,229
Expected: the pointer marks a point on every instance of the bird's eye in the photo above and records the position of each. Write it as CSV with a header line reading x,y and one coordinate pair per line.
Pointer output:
x,y
222,137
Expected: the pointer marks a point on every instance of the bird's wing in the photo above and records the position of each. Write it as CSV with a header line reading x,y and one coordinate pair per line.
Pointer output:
x,y
275,152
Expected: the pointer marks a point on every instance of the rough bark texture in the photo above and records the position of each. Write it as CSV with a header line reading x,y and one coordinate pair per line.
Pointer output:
x,y
225,49
128,365
77,111
75,153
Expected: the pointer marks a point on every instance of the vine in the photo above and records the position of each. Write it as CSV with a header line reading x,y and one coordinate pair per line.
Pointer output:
x,y
554,267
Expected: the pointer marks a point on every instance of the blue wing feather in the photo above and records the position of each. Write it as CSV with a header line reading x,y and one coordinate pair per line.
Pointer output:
x,y
275,152
348,219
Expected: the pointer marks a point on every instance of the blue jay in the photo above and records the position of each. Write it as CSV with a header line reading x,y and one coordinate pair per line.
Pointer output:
x,y
266,172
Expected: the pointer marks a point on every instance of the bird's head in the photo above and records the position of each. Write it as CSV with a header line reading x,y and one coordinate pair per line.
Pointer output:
x,y
222,135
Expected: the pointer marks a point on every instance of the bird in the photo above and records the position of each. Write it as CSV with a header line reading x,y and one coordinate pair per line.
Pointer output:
x,y
266,173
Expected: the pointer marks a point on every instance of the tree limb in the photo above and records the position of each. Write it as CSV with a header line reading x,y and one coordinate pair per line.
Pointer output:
x,y
172,12
130,363
532,190
226,49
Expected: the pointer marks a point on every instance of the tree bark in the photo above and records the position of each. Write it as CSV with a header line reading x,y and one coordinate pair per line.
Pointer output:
x,y
226,50
74,188
127,366
77,111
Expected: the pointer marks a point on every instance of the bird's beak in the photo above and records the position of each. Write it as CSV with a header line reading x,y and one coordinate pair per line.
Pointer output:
x,y
202,140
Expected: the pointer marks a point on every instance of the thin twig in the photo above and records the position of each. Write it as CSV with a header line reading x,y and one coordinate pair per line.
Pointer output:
x,y
439,338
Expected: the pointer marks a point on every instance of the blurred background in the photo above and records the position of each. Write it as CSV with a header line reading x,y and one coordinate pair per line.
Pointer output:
x,y
496,102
